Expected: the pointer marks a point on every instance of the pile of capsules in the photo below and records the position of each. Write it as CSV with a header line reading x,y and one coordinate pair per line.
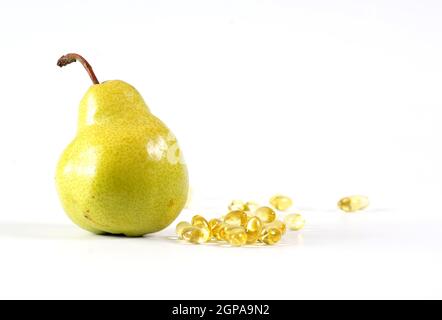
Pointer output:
x,y
249,223
245,223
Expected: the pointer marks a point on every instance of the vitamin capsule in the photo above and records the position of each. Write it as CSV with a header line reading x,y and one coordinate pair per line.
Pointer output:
x,y
236,218
236,205
281,202
270,235
278,224
221,235
180,227
218,230
253,229
250,207
215,226
200,222
236,236
294,221
193,234
353,203
265,214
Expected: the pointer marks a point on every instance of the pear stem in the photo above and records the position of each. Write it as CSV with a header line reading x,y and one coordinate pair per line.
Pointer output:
x,y
72,57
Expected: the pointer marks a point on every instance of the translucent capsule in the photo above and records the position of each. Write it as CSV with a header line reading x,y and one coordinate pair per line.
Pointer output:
x,y
180,227
221,236
215,225
278,224
236,235
281,202
265,214
270,235
353,203
236,218
193,234
200,222
218,229
294,221
250,207
253,229
236,205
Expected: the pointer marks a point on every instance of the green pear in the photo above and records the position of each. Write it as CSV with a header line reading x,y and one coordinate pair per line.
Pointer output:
x,y
124,172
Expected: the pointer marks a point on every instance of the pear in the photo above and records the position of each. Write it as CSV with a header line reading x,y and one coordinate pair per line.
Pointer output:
x,y
124,172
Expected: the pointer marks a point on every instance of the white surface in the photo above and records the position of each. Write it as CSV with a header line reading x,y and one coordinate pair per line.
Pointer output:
x,y
310,98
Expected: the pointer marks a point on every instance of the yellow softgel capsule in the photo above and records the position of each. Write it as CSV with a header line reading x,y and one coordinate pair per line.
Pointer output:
x,y
236,235
253,229
221,235
236,218
180,227
353,203
200,222
236,205
215,225
265,214
218,229
270,235
281,202
193,234
278,224
294,221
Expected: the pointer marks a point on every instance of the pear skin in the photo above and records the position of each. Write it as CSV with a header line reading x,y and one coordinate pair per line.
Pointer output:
x,y
124,172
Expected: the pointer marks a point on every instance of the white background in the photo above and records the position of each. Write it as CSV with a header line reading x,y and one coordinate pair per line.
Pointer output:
x,y
315,99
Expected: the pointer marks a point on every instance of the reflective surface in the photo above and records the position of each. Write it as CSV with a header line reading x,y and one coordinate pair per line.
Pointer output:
x,y
336,256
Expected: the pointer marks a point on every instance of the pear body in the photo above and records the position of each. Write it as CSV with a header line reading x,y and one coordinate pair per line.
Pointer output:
x,y
124,172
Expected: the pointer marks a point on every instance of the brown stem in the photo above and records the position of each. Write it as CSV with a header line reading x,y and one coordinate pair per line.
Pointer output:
x,y
72,57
